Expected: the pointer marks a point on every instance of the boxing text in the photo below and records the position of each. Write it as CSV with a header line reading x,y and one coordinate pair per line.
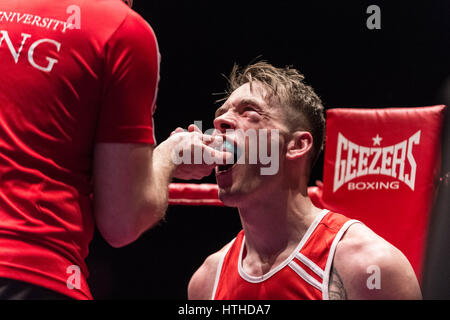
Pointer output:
x,y
354,161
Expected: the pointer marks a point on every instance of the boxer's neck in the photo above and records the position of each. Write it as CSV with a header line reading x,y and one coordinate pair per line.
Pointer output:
x,y
273,228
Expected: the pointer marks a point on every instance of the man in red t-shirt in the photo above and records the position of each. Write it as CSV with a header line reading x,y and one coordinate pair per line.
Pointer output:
x,y
78,91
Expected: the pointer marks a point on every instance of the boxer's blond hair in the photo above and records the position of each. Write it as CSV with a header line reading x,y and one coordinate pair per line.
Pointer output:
x,y
303,107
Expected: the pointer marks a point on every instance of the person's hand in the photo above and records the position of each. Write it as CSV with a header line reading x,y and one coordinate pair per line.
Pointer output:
x,y
193,153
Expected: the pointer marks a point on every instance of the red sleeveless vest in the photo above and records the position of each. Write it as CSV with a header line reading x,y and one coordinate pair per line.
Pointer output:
x,y
304,275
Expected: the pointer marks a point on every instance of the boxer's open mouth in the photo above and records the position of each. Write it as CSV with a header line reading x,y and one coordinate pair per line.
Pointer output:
x,y
232,148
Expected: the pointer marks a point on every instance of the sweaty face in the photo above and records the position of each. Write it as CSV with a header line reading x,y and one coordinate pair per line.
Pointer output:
x,y
249,121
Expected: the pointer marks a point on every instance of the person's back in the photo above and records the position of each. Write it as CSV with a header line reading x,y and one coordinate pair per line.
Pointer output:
x,y
67,77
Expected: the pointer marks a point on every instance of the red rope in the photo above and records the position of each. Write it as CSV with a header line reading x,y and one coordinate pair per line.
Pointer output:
x,y
193,194
205,194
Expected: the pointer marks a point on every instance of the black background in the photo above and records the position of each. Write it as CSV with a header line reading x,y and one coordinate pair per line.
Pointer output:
x,y
404,64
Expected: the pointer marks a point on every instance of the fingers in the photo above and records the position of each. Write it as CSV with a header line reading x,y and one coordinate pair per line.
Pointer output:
x,y
215,157
188,173
199,153
194,128
196,154
196,159
177,130
206,137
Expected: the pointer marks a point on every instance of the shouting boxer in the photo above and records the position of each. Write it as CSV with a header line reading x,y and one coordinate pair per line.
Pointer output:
x,y
288,248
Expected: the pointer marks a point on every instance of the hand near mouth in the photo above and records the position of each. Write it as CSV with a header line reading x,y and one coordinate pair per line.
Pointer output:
x,y
192,153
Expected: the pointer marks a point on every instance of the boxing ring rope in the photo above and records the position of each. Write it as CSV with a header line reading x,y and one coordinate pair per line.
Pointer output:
x,y
206,194
194,194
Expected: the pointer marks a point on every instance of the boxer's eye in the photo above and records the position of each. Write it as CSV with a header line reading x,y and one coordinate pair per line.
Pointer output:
x,y
248,109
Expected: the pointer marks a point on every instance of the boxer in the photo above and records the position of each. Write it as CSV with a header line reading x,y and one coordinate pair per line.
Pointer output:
x,y
288,248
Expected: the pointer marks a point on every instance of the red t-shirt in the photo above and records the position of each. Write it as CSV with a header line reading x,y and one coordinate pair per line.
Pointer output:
x,y
74,73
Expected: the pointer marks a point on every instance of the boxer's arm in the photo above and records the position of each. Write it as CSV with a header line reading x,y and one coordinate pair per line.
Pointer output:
x,y
201,285
367,267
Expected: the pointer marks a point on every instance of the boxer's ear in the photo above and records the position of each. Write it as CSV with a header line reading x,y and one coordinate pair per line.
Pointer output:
x,y
299,145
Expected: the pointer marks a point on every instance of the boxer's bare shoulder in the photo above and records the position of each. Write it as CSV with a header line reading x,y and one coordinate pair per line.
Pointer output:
x,y
201,285
366,266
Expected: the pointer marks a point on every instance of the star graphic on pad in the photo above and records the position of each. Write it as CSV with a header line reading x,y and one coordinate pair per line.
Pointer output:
x,y
377,140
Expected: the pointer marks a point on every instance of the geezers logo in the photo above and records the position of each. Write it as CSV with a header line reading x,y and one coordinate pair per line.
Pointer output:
x,y
355,161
